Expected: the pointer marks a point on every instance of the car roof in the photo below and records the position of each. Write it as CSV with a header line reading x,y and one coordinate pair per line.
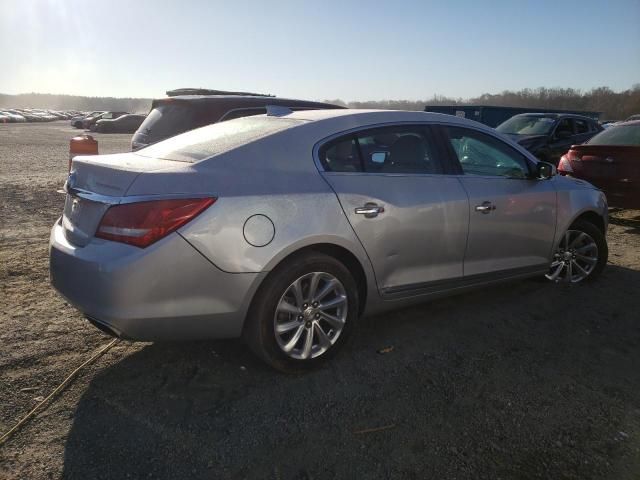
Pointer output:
x,y
362,117
555,115
239,99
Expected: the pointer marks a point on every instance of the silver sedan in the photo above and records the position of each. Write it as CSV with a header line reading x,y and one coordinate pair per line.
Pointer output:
x,y
286,228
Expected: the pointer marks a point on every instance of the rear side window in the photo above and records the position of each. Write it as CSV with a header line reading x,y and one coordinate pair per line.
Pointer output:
x,y
214,139
399,149
341,156
482,154
243,112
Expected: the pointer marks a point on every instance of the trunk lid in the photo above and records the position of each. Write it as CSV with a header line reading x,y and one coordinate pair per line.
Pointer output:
x,y
97,182
613,168
611,162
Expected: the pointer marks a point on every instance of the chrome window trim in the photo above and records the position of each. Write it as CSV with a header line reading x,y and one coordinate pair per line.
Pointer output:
x,y
112,200
488,131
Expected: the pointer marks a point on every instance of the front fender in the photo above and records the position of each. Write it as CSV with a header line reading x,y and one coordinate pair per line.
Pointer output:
x,y
576,198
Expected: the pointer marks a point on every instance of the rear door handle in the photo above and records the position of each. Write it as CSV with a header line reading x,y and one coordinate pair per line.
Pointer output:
x,y
485,207
370,210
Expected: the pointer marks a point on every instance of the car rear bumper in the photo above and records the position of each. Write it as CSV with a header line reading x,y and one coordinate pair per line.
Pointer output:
x,y
167,291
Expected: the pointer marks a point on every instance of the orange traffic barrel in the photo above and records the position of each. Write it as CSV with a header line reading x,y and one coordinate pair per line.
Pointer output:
x,y
82,145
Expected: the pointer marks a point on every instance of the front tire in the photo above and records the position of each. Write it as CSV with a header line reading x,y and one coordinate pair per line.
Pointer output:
x,y
581,255
305,310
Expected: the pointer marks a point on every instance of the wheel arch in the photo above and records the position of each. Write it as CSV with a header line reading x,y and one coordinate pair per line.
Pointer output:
x,y
341,253
592,217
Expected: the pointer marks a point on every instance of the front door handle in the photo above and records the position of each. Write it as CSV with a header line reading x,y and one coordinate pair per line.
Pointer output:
x,y
370,210
486,207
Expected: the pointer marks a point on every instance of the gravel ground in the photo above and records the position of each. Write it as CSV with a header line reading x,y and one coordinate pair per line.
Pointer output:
x,y
525,380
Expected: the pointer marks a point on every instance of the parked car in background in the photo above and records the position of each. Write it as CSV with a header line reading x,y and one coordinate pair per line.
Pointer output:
x,y
77,121
4,118
189,108
87,123
608,123
13,117
610,161
18,117
493,115
124,124
549,135
285,228
29,116
633,117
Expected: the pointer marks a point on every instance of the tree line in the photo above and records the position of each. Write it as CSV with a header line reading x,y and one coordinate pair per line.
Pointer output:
x,y
613,105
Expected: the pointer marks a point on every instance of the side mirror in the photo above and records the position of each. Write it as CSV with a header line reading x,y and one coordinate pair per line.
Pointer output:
x,y
544,170
563,135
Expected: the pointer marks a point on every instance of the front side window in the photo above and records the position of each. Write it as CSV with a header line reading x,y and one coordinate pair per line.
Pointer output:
x,y
564,128
482,154
400,150
582,126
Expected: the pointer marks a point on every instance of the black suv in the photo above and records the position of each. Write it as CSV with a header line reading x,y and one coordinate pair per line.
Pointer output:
x,y
189,108
549,135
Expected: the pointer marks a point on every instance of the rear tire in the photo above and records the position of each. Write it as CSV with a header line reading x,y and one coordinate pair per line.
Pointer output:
x,y
303,313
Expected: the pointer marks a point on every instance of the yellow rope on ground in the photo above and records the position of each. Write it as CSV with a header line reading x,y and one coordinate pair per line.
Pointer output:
x,y
58,389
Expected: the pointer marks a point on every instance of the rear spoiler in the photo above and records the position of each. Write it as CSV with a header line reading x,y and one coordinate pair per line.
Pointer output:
x,y
206,91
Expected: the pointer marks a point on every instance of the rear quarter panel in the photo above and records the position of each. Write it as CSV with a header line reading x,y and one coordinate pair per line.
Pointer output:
x,y
275,177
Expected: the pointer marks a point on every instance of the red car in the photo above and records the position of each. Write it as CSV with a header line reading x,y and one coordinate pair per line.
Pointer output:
x,y
610,161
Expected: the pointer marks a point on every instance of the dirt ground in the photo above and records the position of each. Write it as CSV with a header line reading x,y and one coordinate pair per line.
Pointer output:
x,y
526,380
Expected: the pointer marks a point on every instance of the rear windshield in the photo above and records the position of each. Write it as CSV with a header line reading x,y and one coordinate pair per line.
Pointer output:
x,y
167,120
618,135
214,139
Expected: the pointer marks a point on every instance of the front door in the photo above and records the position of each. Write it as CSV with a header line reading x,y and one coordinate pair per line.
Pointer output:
x,y
512,216
408,210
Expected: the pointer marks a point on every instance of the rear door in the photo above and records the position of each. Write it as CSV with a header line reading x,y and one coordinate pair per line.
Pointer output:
x,y
404,203
512,216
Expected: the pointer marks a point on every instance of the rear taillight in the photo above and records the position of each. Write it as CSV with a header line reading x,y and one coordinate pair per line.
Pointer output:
x,y
564,166
144,223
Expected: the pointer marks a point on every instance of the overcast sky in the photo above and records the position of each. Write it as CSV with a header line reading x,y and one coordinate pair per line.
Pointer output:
x,y
369,50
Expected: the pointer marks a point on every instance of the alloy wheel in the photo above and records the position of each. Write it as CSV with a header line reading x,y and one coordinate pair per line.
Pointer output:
x,y
310,315
575,258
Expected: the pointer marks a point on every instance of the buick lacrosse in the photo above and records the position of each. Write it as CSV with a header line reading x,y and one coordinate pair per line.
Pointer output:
x,y
286,228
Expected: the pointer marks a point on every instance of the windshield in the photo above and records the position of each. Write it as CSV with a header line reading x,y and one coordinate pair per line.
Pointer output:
x,y
527,125
214,139
617,135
